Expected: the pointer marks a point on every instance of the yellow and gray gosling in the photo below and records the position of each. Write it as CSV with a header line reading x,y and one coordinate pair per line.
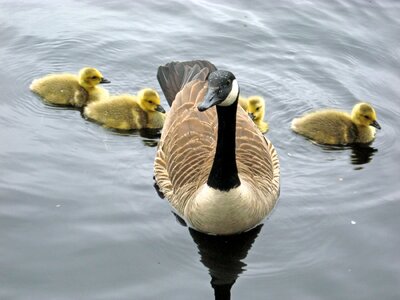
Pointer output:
x,y
334,127
255,107
70,89
128,111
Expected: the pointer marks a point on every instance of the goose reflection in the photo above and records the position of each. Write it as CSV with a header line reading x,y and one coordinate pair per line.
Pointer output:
x,y
223,257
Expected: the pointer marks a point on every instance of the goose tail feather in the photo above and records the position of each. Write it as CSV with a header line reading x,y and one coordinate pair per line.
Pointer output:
x,y
173,76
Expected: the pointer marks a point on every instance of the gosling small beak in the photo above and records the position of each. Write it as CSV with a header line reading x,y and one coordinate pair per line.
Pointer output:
x,y
103,80
210,99
252,116
160,109
375,124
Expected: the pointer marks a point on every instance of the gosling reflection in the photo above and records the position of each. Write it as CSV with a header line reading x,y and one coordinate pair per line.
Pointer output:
x,y
362,154
150,136
223,256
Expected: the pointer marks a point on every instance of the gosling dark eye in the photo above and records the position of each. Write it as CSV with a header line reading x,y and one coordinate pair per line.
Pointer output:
x,y
257,109
366,117
94,77
151,102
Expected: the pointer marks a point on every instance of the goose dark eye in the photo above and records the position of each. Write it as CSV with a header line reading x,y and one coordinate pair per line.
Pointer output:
x,y
258,108
367,117
94,77
151,102
226,84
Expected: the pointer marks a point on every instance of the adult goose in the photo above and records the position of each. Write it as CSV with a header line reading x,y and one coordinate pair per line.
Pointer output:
x,y
215,167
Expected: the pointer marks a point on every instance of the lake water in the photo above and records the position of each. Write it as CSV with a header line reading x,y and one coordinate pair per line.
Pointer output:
x,y
79,217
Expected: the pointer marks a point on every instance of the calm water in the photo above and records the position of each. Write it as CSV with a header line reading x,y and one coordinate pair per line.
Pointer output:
x,y
79,218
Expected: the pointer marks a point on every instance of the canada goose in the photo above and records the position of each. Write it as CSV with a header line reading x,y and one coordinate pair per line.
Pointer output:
x,y
256,111
334,127
128,111
69,89
214,166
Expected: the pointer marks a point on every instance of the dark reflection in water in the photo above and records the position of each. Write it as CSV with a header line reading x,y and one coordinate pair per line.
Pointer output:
x,y
360,153
223,256
150,143
150,136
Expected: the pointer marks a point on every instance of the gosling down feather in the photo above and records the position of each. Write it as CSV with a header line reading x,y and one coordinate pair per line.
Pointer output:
x,y
255,107
71,90
128,111
214,166
334,127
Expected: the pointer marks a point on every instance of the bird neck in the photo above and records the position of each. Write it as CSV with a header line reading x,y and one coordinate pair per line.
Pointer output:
x,y
142,104
224,174
365,134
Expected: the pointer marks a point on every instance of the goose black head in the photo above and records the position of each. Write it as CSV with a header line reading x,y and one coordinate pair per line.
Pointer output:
x,y
223,90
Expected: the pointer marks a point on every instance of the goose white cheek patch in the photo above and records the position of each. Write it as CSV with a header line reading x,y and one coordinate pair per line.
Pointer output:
x,y
232,95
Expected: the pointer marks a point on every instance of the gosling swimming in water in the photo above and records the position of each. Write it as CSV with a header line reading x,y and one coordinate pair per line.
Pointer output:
x,y
69,89
334,127
128,111
255,107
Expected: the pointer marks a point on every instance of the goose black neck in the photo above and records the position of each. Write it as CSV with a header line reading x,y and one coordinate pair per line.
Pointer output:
x,y
224,173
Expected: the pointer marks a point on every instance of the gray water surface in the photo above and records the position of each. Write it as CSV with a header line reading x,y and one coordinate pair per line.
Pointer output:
x,y
79,217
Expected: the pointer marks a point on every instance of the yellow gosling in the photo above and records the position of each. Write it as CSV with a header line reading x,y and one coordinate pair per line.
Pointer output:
x,y
70,89
334,127
256,111
128,111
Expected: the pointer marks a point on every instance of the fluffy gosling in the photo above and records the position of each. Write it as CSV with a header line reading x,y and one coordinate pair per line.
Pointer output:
x,y
255,107
334,127
127,112
70,89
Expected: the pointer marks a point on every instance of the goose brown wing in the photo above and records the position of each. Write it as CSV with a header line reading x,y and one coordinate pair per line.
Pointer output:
x,y
256,157
187,146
